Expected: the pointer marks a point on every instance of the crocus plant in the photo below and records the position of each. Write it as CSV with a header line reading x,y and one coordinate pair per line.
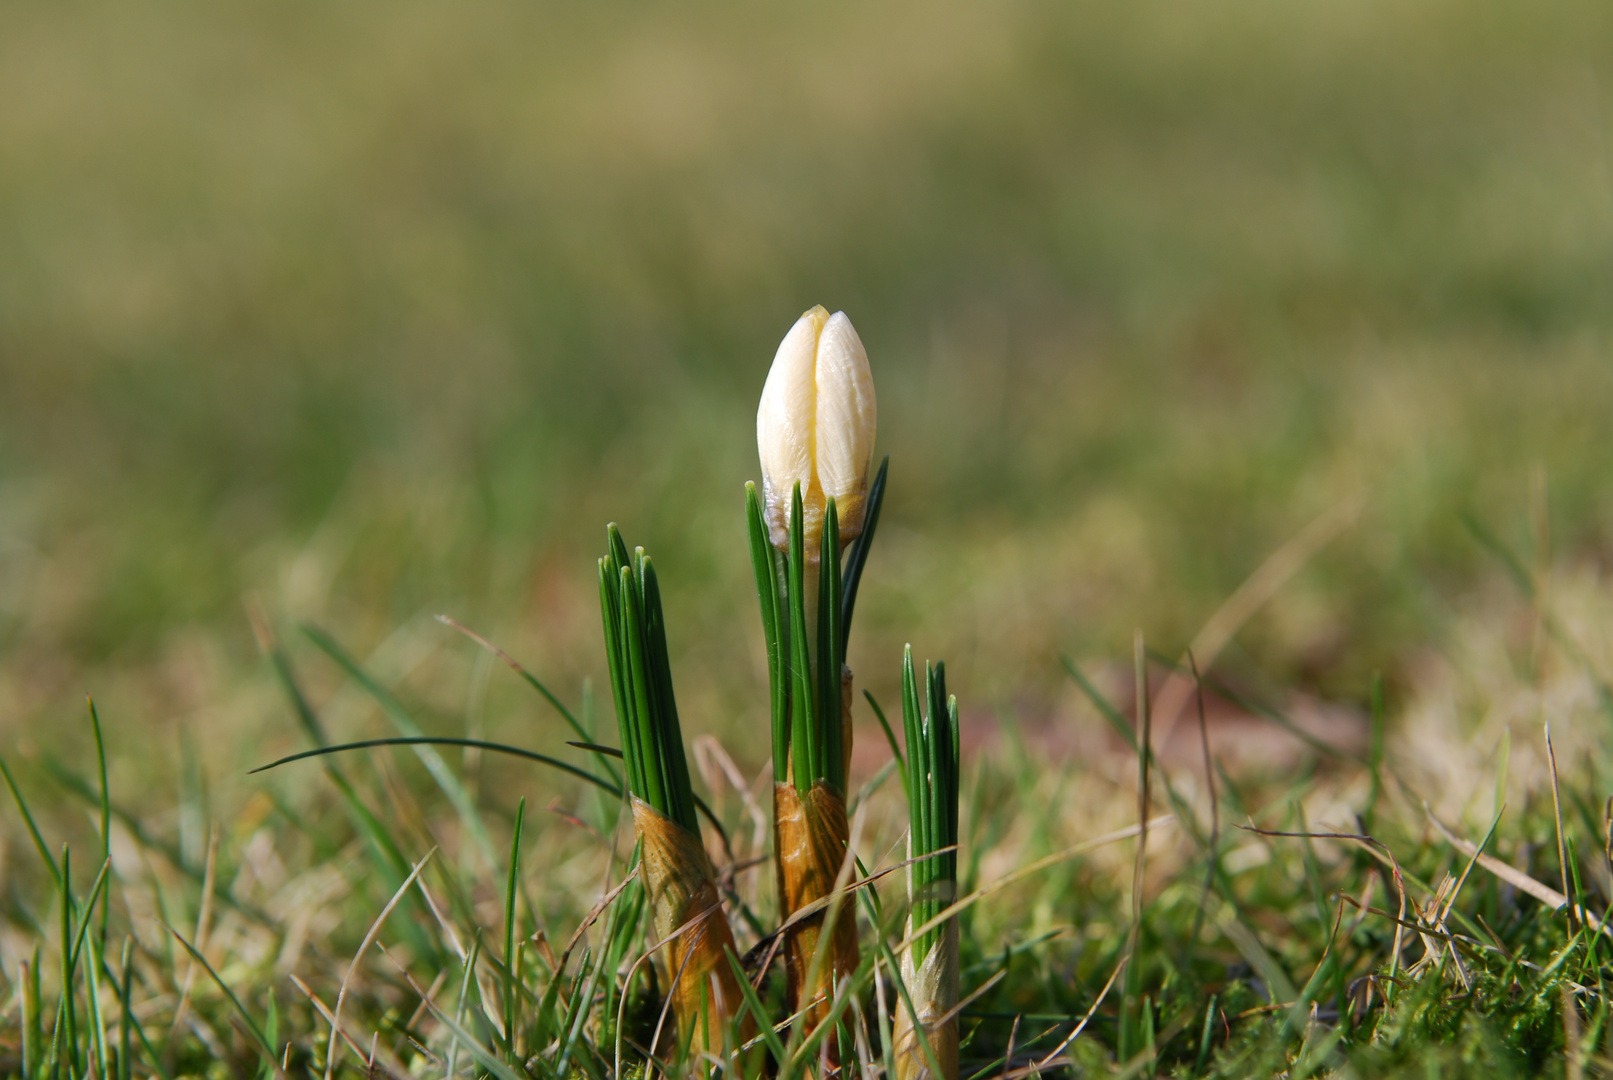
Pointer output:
x,y
926,1035
811,524
676,874
810,531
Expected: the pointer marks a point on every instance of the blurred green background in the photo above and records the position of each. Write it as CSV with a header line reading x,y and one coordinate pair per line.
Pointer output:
x,y
361,312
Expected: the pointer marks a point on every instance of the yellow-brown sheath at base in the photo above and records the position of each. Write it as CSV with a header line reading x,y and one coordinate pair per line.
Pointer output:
x,y
810,836
680,882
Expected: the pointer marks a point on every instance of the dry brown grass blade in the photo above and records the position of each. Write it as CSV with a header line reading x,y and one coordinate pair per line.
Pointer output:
x,y
1557,812
1513,876
1257,589
1573,1052
713,760
390,1065
1378,850
593,916
1052,1060
1026,871
203,921
369,939
645,957
443,924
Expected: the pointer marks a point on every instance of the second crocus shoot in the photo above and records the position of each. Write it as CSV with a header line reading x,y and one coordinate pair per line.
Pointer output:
x,y
926,1036
677,876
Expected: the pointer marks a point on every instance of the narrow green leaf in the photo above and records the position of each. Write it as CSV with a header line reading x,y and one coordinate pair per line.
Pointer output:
x,y
890,736
680,789
33,1030
857,553
829,645
467,983
639,690
100,1061
947,715
89,910
616,659
764,564
484,1057
1503,554
919,804
1206,1034
618,547
804,745
271,1034
1101,703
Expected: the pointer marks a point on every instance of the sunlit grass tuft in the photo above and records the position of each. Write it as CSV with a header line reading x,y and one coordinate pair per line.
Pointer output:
x,y
1400,913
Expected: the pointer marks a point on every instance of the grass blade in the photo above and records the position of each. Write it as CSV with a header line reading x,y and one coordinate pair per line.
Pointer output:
x,y
764,1023
511,974
69,1030
125,986
259,1040
106,803
445,777
443,740
532,681
33,1031
33,830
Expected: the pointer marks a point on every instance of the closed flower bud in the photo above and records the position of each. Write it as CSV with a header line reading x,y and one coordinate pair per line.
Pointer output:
x,y
815,427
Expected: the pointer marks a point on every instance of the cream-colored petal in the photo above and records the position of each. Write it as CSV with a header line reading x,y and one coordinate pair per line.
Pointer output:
x,y
785,420
846,419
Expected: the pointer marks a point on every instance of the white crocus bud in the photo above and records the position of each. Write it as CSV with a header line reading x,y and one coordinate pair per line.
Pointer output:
x,y
815,427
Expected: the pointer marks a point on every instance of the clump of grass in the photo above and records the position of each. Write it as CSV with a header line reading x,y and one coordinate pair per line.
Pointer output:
x,y
1437,904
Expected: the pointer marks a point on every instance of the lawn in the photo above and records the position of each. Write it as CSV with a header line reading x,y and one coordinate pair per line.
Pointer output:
x,y
1278,332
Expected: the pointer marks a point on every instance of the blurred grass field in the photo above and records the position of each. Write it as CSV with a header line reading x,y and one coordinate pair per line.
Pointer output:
x,y
377,311
353,314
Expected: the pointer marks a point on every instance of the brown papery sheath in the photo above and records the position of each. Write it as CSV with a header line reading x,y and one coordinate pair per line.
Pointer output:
x,y
811,833
680,881
810,837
